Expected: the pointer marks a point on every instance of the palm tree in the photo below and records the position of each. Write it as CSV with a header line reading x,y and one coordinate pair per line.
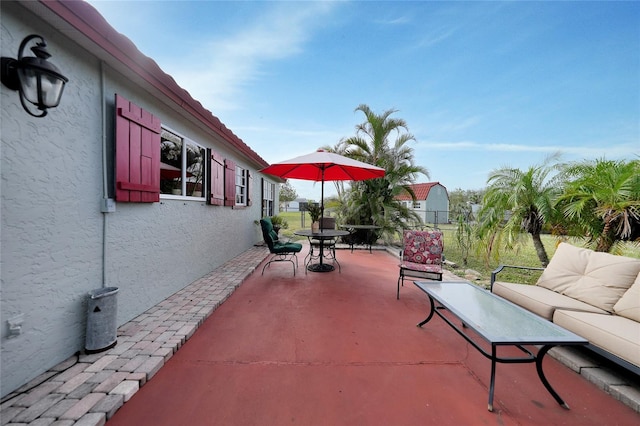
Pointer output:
x,y
382,141
602,200
517,203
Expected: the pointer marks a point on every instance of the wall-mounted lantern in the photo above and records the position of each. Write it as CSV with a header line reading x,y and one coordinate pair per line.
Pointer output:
x,y
37,80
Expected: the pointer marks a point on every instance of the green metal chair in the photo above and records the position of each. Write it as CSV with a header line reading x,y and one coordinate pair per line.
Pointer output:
x,y
281,251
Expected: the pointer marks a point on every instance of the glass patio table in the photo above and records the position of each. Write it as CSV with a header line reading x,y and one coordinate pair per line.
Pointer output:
x,y
500,323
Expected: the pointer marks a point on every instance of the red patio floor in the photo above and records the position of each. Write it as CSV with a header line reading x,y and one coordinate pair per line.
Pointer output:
x,y
339,349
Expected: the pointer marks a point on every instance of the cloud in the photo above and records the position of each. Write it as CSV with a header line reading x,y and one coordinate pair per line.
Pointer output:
x,y
318,134
235,61
279,143
612,151
394,21
440,124
437,36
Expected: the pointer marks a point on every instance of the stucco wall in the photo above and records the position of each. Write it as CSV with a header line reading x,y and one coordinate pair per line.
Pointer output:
x,y
53,232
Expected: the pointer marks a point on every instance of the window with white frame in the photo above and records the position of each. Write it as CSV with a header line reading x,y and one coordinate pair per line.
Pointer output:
x,y
182,166
242,177
268,198
416,204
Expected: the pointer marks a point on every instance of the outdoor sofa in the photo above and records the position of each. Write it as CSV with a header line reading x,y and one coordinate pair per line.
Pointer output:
x,y
595,295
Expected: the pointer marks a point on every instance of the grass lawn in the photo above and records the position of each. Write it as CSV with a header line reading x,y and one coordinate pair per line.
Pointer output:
x,y
295,222
524,256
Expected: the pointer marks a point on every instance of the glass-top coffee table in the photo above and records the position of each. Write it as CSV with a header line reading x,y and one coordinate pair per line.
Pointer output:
x,y
499,322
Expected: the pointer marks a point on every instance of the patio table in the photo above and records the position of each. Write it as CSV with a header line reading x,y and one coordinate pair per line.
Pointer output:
x,y
368,228
322,235
500,323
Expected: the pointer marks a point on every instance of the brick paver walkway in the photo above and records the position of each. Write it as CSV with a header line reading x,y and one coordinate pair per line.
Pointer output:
x,y
87,389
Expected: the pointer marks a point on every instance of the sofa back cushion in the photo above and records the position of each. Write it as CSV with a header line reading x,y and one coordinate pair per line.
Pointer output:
x,y
606,279
599,279
629,304
567,265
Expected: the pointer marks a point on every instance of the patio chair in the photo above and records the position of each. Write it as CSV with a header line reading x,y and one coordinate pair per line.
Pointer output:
x,y
421,256
329,245
281,251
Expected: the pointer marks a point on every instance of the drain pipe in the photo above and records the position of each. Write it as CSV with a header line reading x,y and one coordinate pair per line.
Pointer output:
x,y
105,183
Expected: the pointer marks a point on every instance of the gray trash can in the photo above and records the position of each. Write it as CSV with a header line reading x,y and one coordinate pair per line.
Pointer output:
x,y
102,327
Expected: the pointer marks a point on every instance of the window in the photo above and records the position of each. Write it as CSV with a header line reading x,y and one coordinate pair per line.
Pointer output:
x,y
268,194
242,178
416,204
230,184
195,170
182,165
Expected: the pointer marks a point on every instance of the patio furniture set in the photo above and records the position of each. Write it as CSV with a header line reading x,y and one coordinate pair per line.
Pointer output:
x,y
494,320
591,294
320,166
582,298
322,246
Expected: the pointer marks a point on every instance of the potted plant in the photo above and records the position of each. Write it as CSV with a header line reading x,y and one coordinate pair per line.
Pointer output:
x,y
278,223
315,212
177,187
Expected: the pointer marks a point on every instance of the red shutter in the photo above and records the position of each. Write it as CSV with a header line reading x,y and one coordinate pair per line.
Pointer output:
x,y
216,183
137,154
229,183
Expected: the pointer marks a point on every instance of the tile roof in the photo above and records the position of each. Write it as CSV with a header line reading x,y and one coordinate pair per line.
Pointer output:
x,y
420,189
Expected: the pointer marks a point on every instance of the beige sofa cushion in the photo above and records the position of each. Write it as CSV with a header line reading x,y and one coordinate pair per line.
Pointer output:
x,y
599,279
566,266
615,334
606,279
629,304
538,300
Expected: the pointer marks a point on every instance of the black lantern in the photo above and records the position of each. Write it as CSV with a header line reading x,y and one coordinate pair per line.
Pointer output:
x,y
37,80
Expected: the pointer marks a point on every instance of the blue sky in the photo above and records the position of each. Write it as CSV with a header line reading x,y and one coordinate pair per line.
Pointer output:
x,y
481,85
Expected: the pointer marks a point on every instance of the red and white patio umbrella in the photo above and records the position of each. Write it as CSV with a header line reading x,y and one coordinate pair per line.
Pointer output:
x,y
321,166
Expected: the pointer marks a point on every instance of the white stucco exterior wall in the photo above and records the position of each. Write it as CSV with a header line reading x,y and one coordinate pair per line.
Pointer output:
x,y
52,230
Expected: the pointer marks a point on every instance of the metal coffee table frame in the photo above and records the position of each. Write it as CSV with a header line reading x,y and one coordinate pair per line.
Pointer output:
x,y
500,323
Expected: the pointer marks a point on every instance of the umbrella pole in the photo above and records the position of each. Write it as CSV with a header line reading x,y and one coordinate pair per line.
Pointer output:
x,y
321,216
322,196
